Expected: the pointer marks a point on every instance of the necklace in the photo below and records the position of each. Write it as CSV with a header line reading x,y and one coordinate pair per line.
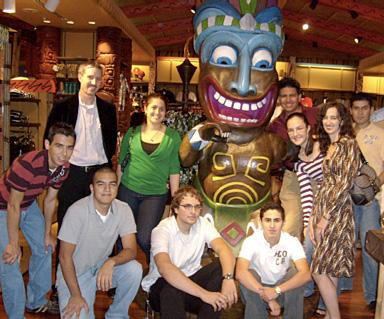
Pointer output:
x,y
152,139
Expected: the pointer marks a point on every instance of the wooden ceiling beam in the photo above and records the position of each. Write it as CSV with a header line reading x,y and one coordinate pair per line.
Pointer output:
x,y
165,26
177,39
329,43
158,7
338,28
366,11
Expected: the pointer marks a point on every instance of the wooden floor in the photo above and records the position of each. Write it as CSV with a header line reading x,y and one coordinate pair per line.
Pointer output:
x,y
352,304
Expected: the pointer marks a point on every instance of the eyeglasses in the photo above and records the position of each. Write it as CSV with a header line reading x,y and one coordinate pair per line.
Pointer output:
x,y
190,207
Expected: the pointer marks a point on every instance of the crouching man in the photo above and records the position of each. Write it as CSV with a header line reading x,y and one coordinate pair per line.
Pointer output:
x,y
88,233
176,281
268,280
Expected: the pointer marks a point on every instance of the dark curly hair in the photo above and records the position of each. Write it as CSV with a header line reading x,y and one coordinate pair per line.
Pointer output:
x,y
289,82
346,128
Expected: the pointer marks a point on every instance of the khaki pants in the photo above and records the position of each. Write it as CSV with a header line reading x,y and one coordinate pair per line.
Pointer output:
x,y
290,200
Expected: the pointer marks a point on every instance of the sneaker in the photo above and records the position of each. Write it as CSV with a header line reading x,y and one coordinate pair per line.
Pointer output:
x,y
50,307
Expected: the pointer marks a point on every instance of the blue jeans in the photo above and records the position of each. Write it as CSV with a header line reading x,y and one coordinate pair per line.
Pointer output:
x,y
292,300
147,211
32,224
367,217
126,279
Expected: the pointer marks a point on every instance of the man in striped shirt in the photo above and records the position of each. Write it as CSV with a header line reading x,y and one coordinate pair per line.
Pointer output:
x,y
29,175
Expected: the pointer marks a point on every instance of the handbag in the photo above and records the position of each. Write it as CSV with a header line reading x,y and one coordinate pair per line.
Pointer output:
x,y
127,156
366,184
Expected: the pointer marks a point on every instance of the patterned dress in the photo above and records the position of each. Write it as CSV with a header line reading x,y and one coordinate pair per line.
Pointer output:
x,y
334,252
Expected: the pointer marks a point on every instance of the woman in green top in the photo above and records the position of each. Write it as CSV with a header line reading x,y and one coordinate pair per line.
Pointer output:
x,y
153,161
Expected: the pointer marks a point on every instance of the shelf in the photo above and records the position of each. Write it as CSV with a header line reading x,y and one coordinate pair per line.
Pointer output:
x,y
24,99
25,124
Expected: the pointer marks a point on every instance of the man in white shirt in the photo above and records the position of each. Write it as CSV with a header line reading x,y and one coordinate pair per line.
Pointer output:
x,y
176,281
370,138
268,282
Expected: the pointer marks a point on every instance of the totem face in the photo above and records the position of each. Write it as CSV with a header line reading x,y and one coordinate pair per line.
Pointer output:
x,y
238,79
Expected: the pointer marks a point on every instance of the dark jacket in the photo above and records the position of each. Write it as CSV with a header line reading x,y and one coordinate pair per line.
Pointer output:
x,y
67,110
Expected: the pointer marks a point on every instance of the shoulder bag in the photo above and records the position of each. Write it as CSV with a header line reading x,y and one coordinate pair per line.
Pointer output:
x,y
366,184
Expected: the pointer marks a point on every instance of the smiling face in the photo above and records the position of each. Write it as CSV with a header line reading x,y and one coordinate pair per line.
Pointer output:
x,y
90,80
289,99
298,131
155,111
59,150
238,79
332,123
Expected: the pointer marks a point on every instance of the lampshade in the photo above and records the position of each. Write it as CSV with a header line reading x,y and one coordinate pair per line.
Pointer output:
x,y
9,6
51,5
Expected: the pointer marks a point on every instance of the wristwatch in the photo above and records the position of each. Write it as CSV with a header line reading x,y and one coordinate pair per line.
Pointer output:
x,y
228,276
278,290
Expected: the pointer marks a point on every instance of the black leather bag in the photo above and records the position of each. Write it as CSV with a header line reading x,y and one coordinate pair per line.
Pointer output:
x,y
366,184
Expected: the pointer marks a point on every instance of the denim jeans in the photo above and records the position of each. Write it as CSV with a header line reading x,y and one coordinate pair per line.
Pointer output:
x,y
32,224
126,279
147,211
367,217
292,300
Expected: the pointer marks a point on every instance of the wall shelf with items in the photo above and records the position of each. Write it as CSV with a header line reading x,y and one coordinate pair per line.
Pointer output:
x,y
66,76
25,119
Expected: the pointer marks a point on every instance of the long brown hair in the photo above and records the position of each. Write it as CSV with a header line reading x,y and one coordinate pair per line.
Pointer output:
x,y
346,128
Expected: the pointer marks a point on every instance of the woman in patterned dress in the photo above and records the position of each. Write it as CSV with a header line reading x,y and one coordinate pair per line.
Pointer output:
x,y
332,224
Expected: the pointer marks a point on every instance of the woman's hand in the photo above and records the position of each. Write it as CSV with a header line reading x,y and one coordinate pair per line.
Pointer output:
x,y
320,228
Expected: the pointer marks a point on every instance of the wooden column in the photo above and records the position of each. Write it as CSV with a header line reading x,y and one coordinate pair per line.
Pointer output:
x,y
47,48
108,53
126,66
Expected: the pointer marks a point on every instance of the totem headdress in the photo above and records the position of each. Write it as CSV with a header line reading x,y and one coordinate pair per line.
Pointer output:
x,y
219,15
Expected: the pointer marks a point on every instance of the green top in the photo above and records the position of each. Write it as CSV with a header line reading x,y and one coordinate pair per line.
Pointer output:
x,y
148,174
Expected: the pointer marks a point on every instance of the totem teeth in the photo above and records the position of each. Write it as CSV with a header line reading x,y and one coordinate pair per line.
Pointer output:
x,y
236,119
237,105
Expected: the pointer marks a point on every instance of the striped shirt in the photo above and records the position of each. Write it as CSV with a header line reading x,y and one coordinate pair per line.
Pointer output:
x,y
307,171
30,174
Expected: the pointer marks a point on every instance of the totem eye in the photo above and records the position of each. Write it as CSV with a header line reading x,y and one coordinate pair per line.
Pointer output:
x,y
262,59
224,55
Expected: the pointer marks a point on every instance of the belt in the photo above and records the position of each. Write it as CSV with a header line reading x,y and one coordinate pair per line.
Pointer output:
x,y
87,169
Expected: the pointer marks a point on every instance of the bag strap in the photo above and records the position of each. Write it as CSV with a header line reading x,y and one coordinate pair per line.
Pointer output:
x,y
128,154
362,158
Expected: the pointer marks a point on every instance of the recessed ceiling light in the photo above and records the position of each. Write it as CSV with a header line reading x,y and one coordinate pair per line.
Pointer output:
x,y
305,26
46,20
70,22
30,10
91,22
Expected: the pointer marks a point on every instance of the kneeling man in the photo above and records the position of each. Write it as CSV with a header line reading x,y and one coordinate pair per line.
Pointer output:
x,y
88,233
176,281
268,280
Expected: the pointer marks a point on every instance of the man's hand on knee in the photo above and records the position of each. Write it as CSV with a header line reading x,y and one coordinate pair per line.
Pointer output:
x,y
74,307
104,276
216,299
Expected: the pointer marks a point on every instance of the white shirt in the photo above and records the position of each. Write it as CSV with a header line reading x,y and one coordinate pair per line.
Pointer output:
x,y
184,250
271,263
89,149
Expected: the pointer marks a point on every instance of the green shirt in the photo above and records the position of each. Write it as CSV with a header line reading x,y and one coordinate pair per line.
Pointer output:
x,y
148,174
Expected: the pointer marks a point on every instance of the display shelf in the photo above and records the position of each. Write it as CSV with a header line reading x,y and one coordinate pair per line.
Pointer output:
x,y
25,124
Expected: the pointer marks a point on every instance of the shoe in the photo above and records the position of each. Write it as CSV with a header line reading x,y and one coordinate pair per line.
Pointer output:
x,y
50,307
320,312
372,306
